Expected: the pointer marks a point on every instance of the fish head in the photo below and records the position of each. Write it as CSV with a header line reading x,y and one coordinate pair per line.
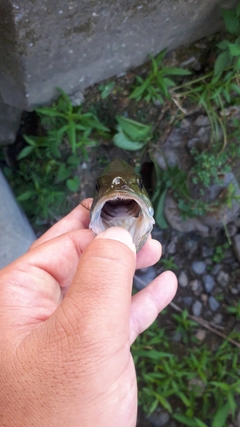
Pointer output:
x,y
121,200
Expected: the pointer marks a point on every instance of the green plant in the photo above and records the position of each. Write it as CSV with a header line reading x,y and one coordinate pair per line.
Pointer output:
x,y
235,310
196,385
219,252
63,121
131,135
47,165
168,263
106,89
156,85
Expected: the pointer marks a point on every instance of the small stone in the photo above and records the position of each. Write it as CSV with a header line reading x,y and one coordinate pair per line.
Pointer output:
x,y
199,267
204,298
236,246
177,337
231,229
208,283
172,247
187,301
200,334
183,279
197,308
217,319
213,303
202,121
223,278
234,291
195,285
207,251
159,418
216,269
197,385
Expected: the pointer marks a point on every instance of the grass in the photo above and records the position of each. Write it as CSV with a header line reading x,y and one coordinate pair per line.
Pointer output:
x,y
197,385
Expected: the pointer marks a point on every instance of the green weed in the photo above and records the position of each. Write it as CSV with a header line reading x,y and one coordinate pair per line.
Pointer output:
x,y
196,385
47,166
157,83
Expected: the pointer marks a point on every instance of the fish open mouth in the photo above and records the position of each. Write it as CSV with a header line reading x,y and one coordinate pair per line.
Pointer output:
x,y
120,208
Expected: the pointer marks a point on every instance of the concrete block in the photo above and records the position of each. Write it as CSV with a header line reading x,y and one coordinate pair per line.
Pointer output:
x,y
16,234
74,44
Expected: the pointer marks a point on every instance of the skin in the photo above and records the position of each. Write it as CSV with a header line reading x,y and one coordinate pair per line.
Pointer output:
x,y
67,361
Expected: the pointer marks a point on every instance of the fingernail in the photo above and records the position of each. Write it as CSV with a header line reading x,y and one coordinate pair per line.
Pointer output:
x,y
119,234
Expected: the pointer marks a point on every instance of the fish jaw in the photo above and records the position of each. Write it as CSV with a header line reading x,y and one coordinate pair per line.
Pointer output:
x,y
123,209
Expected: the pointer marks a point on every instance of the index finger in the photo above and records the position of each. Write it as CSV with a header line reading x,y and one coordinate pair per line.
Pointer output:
x,y
77,219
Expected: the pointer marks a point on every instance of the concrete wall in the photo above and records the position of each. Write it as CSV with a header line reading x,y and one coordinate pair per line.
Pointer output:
x,y
72,44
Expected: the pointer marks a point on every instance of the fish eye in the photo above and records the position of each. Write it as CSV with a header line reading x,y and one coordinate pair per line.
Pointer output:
x,y
97,187
140,183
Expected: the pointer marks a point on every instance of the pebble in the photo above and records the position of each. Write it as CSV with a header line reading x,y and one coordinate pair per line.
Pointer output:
x,y
187,301
199,267
213,303
195,285
200,334
172,247
202,121
216,268
207,251
223,278
234,291
159,418
204,298
197,308
208,282
197,385
183,279
217,318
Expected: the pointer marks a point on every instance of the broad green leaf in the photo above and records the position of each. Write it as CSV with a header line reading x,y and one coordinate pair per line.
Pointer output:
x,y
161,56
73,160
88,120
63,173
122,141
154,66
72,135
106,90
223,45
163,402
48,111
172,71
230,20
26,196
221,416
66,99
25,152
159,211
139,90
238,10
134,130
73,184
223,60
186,421
199,423
234,49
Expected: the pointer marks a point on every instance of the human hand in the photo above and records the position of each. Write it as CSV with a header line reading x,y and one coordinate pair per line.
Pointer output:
x,y
67,361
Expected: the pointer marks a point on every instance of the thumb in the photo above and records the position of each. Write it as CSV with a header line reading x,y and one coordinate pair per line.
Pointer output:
x,y
97,305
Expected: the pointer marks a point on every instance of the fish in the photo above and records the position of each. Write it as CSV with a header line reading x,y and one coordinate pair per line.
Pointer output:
x,y
122,201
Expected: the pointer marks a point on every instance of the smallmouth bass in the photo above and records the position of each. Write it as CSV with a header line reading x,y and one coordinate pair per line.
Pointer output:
x,y
122,201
